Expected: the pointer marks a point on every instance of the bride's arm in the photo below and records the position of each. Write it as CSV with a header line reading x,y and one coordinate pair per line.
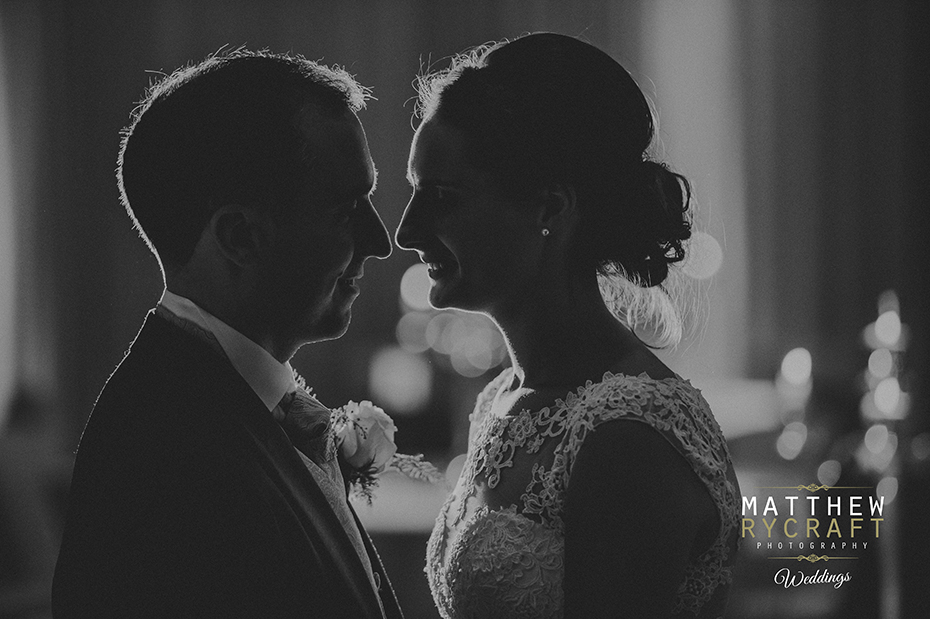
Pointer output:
x,y
632,511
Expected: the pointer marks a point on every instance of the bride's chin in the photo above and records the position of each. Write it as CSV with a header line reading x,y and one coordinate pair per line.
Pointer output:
x,y
442,294
437,299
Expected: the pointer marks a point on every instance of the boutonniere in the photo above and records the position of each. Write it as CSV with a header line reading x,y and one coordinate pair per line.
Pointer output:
x,y
364,436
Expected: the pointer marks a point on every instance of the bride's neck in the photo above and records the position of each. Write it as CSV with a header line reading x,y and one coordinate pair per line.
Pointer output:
x,y
562,336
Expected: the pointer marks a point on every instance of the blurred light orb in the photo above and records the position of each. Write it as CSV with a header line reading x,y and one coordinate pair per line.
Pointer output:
x,y
876,438
881,363
920,446
436,328
415,286
411,331
471,342
791,441
887,395
455,469
888,328
828,473
704,257
888,301
400,380
797,365
888,488
452,334
471,356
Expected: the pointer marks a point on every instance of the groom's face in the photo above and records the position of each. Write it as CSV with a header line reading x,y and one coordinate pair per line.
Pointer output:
x,y
320,246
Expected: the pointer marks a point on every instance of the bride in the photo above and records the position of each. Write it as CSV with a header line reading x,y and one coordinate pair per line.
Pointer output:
x,y
597,482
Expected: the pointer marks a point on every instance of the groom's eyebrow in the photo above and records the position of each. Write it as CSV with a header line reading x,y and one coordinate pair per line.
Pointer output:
x,y
363,188
374,181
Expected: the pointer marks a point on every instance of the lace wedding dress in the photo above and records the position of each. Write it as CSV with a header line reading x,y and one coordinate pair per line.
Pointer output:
x,y
498,544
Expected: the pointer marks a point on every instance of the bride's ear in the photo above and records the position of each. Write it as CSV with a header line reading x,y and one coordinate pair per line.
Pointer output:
x,y
559,206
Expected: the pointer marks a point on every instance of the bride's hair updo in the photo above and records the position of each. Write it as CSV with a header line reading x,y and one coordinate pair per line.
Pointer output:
x,y
548,109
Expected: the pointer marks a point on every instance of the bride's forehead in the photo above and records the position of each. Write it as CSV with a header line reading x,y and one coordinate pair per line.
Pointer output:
x,y
439,151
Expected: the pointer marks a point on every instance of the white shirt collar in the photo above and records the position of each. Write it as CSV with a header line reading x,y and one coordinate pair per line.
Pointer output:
x,y
268,378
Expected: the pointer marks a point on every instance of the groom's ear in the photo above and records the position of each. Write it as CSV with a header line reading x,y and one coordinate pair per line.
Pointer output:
x,y
241,234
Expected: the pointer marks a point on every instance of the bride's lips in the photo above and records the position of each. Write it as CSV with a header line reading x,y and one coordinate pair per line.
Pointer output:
x,y
439,267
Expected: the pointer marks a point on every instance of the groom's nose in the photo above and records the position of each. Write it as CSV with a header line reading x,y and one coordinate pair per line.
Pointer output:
x,y
371,237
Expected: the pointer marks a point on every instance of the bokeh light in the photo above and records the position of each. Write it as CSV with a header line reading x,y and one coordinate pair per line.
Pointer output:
x,y
877,449
888,302
887,396
414,287
704,256
400,380
888,488
791,441
876,438
478,351
411,331
455,469
828,473
444,330
796,366
888,328
471,341
920,446
881,363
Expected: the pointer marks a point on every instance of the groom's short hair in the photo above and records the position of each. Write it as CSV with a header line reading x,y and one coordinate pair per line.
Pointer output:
x,y
223,131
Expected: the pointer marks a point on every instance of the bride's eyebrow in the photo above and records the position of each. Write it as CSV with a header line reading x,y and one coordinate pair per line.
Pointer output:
x,y
432,182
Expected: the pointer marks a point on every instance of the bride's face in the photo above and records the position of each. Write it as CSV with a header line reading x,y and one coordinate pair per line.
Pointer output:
x,y
481,250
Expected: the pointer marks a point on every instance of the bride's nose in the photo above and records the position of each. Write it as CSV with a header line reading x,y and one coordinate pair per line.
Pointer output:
x,y
413,225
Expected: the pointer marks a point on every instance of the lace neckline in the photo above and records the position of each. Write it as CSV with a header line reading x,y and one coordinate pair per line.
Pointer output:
x,y
671,405
497,388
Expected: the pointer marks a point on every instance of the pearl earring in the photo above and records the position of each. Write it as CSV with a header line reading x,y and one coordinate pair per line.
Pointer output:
x,y
545,231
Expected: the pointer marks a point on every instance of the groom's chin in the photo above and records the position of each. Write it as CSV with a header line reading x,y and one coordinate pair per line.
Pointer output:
x,y
330,327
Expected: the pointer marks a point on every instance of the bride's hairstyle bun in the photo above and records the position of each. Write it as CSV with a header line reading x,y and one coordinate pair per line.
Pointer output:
x,y
548,109
644,231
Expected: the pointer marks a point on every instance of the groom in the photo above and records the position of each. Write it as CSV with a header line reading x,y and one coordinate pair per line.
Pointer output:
x,y
193,495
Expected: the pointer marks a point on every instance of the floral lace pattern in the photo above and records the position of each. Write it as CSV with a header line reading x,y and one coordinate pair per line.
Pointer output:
x,y
493,553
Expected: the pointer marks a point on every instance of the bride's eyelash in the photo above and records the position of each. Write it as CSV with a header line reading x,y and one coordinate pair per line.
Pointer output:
x,y
440,194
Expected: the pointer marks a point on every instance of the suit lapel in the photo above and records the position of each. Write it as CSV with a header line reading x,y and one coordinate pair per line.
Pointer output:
x,y
288,472
278,458
386,591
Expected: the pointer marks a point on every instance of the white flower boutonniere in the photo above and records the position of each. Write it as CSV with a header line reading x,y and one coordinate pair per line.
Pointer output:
x,y
364,436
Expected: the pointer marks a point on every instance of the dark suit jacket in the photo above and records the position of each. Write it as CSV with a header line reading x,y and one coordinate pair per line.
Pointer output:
x,y
188,500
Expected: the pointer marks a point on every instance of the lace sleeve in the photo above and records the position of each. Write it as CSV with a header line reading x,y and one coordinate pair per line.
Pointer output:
x,y
672,407
679,413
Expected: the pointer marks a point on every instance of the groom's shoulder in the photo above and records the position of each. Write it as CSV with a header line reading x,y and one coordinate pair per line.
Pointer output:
x,y
167,382
164,363
165,410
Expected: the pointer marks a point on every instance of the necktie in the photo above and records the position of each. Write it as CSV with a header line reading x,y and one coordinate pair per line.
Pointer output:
x,y
307,424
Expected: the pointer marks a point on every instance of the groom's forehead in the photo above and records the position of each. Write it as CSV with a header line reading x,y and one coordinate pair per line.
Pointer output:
x,y
339,157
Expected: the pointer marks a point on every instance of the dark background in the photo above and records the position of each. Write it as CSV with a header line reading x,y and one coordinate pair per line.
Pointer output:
x,y
802,125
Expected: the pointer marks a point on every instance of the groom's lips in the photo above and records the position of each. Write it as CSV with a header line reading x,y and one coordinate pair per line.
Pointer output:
x,y
350,279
